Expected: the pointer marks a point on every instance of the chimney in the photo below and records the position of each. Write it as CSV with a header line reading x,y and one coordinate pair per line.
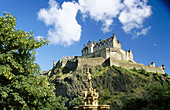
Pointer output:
x,y
95,42
163,67
153,64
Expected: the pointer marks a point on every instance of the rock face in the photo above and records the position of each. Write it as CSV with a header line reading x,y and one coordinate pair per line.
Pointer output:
x,y
114,84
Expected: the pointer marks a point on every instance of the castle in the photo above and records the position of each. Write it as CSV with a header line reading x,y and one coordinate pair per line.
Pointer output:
x,y
107,48
105,52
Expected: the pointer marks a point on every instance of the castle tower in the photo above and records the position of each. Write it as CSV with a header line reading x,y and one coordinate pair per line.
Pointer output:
x,y
116,43
90,46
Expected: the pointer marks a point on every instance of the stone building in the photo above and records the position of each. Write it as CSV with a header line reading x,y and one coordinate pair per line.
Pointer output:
x,y
105,52
106,48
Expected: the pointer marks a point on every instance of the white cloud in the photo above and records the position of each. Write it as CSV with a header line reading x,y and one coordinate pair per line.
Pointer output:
x,y
131,13
66,29
142,32
101,10
134,14
106,25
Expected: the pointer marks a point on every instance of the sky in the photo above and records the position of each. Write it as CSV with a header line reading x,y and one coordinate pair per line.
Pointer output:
x,y
140,25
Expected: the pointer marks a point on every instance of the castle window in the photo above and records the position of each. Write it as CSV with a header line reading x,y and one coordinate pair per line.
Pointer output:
x,y
101,45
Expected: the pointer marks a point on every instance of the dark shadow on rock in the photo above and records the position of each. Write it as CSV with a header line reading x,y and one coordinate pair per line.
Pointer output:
x,y
71,65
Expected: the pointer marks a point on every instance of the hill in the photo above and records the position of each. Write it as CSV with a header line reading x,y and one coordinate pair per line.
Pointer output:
x,y
114,84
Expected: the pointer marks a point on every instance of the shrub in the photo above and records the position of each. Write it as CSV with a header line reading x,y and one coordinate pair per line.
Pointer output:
x,y
156,98
142,71
76,102
148,74
134,69
156,73
105,96
166,74
156,77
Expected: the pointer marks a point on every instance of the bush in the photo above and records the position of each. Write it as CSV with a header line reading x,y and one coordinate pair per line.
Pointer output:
x,y
76,102
134,69
156,77
166,74
156,98
104,96
148,74
142,71
156,73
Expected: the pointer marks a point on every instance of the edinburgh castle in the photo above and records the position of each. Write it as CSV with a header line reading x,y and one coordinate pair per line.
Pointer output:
x,y
105,52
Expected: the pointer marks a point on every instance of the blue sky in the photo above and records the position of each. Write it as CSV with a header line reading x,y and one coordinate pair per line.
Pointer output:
x,y
142,25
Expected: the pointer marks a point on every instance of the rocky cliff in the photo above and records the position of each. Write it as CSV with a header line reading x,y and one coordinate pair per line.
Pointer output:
x,y
114,84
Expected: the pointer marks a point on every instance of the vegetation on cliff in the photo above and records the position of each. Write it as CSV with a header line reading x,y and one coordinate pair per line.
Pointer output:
x,y
21,86
115,85
155,98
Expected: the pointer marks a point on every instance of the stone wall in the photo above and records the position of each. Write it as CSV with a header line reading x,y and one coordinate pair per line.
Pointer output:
x,y
116,53
92,62
77,63
138,66
70,62
101,53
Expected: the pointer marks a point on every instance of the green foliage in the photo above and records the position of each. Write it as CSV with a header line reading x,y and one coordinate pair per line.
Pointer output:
x,y
21,86
156,77
166,74
142,71
134,69
104,96
100,71
76,102
157,98
135,104
61,103
147,74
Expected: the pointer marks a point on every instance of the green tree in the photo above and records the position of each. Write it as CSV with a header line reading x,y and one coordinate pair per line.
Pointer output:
x,y
157,98
76,102
21,86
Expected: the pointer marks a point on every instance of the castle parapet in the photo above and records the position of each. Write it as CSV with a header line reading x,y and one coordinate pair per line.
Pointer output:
x,y
69,57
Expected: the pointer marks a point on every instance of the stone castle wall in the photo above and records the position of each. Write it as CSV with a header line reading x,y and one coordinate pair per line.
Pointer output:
x,y
100,53
138,66
119,54
116,53
70,62
92,62
77,63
